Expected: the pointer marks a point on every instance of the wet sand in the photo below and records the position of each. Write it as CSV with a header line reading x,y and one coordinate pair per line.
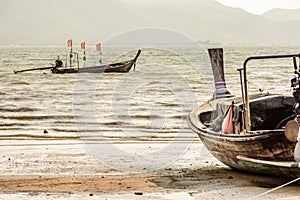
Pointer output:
x,y
62,169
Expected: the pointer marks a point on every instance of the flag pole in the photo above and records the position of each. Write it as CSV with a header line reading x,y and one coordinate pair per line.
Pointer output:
x,y
84,57
98,48
70,44
100,57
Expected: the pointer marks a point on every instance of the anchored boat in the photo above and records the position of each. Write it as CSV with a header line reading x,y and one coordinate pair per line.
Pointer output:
x,y
254,133
59,68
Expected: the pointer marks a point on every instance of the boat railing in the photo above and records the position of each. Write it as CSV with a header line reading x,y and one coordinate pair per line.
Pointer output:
x,y
73,60
247,120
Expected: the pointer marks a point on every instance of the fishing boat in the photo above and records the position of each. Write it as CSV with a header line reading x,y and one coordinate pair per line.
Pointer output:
x,y
256,133
60,68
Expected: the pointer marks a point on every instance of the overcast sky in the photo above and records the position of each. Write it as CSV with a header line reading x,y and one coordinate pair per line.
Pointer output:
x,y
261,6
252,6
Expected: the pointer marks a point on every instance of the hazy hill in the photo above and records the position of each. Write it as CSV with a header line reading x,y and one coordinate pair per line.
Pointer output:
x,y
53,22
209,20
283,14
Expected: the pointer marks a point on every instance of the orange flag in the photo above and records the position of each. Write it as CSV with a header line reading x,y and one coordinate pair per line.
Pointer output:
x,y
98,47
83,45
70,43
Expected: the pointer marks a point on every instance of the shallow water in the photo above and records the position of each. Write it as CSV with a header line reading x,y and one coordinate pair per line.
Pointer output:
x,y
150,103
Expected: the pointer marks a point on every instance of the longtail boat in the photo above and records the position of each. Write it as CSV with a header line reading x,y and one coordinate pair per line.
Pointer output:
x,y
256,133
59,68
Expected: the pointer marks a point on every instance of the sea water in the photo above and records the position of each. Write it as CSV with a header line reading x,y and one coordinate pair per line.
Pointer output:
x,y
134,121
148,104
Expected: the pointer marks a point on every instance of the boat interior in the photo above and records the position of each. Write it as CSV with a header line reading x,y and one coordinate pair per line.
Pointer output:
x,y
267,112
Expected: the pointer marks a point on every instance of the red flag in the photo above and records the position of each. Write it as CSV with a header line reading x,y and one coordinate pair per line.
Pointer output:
x,y
83,45
98,47
69,43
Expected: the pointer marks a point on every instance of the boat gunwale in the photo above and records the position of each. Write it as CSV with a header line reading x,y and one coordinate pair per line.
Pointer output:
x,y
202,129
238,137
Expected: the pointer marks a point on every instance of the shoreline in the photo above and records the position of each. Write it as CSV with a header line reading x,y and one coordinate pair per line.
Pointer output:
x,y
69,171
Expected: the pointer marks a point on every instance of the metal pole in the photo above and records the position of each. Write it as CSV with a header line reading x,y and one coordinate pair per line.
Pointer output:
x,y
84,58
243,96
77,60
71,55
100,57
247,103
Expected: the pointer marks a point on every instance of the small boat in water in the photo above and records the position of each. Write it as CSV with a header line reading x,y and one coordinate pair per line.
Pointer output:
x,y
256,133
59,68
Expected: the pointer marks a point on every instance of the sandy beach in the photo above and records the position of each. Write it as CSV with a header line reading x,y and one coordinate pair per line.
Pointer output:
x,y
60,169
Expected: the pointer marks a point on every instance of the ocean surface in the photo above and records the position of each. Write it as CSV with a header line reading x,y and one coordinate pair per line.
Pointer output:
x,y
148,104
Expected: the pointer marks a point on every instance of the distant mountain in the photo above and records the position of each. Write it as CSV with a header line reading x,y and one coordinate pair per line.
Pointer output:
x,y
35,22
210,20
283,14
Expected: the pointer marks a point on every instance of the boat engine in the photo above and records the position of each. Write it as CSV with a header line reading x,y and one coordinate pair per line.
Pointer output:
x,y
296,93
292,130
58,63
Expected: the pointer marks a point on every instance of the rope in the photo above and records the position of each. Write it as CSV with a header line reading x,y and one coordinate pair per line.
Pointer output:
x,y
277,188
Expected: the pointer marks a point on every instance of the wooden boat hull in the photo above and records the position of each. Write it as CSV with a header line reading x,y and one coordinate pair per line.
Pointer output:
x,y
284,168
122,67
248,132
264,145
